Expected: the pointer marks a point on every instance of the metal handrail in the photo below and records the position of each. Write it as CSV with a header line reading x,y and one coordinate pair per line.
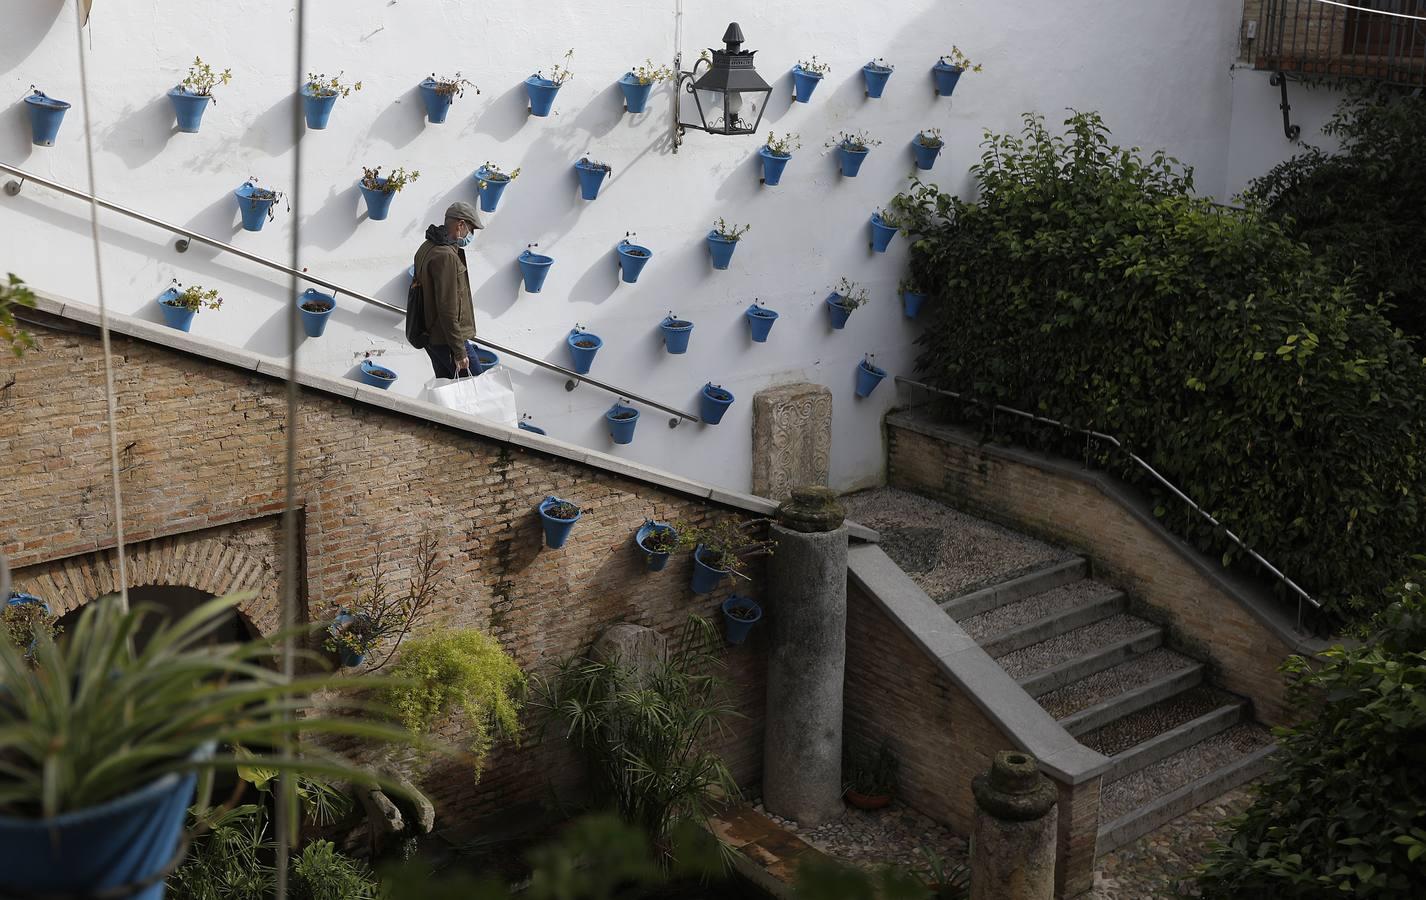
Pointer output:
x,y
1109,438
12,188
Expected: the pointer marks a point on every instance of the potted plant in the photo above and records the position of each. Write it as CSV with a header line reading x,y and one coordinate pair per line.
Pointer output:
x,y
622,420
632,258
350,637
256,203
852,148
883,228
558,517
382,616
806,75
582,347
491,182
869,777
721,549
316,308
380,190
740,614
376,375
927,147
639,82
760,321
845,297
191,95
912,296
876,74
534,268
439,93
945,882
527,425
27,618
869,375
676,333
949,69
591,176
542,90
320,94
656,540
180,304
723,240
775,154
46,114
713,401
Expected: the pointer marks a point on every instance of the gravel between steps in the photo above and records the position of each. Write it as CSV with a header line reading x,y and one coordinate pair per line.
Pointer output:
x,y
1132,791
1166,715
998,621
1137,672
1071,645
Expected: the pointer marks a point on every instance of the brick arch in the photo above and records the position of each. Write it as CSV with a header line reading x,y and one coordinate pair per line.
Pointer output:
x,y
218,562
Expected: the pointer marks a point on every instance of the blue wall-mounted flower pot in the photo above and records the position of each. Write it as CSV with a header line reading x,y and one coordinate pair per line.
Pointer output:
x,y
721,249
20,598
636,96
490,188
378,202
804,83
772,165
542,94
836,312
736,628
317,108
676,333
911,303
946,76
556,530
534,268
868,377
656,559
350,658
46,114
851,160
713,401
254,209
174,316
484,360
706,578
314,323
590,179
632,259
376,375
622,421
876,77
188,109
583,357
760,322
533,429
925,156
438,104
881,233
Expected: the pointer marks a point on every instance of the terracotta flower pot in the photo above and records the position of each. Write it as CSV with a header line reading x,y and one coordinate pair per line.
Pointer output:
x,y
867,801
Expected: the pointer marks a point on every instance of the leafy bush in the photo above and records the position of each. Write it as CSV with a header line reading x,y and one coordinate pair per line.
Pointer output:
x,y
1344,810
1362,208
319,872
1088,283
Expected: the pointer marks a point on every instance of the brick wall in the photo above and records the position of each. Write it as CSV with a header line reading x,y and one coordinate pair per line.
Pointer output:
x,y
202,451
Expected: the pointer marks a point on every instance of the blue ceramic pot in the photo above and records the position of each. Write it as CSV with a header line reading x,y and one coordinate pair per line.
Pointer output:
x,y
583,357
556,530
851,160
188,109
836,312
314,323
706,578
881,233
622,421
590,179
676,333
375,375
911,303
535,267
721,249
253,208
760,321
378,202
20,598
925,156
656,559
490,187
542,94
317,108
46,114
636,96
772,165
804,83
438,104
533,429
876,77
736,627
868,377
632,259
484,360
174,316
713,401
946,76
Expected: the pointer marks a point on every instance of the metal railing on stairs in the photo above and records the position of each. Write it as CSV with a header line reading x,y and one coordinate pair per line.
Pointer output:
x,y
572,378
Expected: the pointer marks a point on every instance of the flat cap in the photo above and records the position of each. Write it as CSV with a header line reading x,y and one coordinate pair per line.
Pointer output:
x,y
462,210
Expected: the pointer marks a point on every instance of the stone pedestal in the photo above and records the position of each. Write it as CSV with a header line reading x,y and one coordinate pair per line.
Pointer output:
x,y
633,647
807,616
792,438
1012,854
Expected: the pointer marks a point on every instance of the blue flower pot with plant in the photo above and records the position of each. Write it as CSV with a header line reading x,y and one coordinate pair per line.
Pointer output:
x,y
881,233
876,74
20,598
911,302
254,203
636,95
804,83
175,316
582,347
868,377
542,93
316,308
46,114
837,311
622,420
851,160
706,578
490,185
484,360
676,333
713,402
317,107
721,249
925,153
188,109
350,659
760,322
558,517
438,101
591,177
649,531
773,165
534,268
740,614
632,259
376,375
946,76
378,200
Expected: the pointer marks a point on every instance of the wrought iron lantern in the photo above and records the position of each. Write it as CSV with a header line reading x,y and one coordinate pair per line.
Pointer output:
x,y
728,92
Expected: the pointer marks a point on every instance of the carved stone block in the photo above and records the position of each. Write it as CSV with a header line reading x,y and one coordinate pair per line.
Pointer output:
x,y
792,438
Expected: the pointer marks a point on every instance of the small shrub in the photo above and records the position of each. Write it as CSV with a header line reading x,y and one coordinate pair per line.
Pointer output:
x,y
320,872
322,86
194,297
201,79
783,146
395,180
15,295
730,232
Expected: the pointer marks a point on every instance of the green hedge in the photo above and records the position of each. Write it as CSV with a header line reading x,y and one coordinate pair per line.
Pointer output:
x,y
1087,282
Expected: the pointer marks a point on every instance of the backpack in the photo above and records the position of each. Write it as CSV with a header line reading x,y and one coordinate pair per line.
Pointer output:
x,y
418,331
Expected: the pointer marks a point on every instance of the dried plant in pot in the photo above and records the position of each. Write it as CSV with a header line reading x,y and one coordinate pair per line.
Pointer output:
x,y
380,618
379,190
869,776
438,93
722,548
191,96
319,95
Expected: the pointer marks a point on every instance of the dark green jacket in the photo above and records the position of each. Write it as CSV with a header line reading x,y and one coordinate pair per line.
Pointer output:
x,y
445,282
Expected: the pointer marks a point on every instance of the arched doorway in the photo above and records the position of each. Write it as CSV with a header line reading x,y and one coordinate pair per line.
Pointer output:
x,y
173,602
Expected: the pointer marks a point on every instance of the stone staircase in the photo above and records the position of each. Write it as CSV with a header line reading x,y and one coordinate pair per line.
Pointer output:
x,y
1174,741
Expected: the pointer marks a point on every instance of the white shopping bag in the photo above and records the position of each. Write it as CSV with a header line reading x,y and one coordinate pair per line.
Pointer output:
x,y
487,396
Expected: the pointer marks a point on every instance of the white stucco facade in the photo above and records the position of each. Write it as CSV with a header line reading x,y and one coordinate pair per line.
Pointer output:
x,y
1160,71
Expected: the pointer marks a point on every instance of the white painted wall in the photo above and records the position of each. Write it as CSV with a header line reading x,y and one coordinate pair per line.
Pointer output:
x,y
1159,71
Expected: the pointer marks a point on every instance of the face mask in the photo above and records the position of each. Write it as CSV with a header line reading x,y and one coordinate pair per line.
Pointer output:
x,y
465,241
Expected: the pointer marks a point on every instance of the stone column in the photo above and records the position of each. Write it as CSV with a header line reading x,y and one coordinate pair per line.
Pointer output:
x,y
807,614
1012,854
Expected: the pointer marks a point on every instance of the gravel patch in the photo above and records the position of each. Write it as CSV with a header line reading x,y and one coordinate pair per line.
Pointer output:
x,y
998,621
890,836
1133,791
1166,715
1101,686
970,554
1071,644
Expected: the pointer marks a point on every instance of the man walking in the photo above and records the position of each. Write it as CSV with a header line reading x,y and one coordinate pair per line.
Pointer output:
x,y
445,287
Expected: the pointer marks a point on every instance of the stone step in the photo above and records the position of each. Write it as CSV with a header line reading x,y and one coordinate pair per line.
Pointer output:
x,y
1136,805
1096,660
1113,682
1057,650
1125,732
1132,700
1065,609
1018,588
1174,740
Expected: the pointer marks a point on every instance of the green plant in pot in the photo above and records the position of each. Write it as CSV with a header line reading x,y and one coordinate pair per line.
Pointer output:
x,y
26,618
381,617
868,775
722,548
944,880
